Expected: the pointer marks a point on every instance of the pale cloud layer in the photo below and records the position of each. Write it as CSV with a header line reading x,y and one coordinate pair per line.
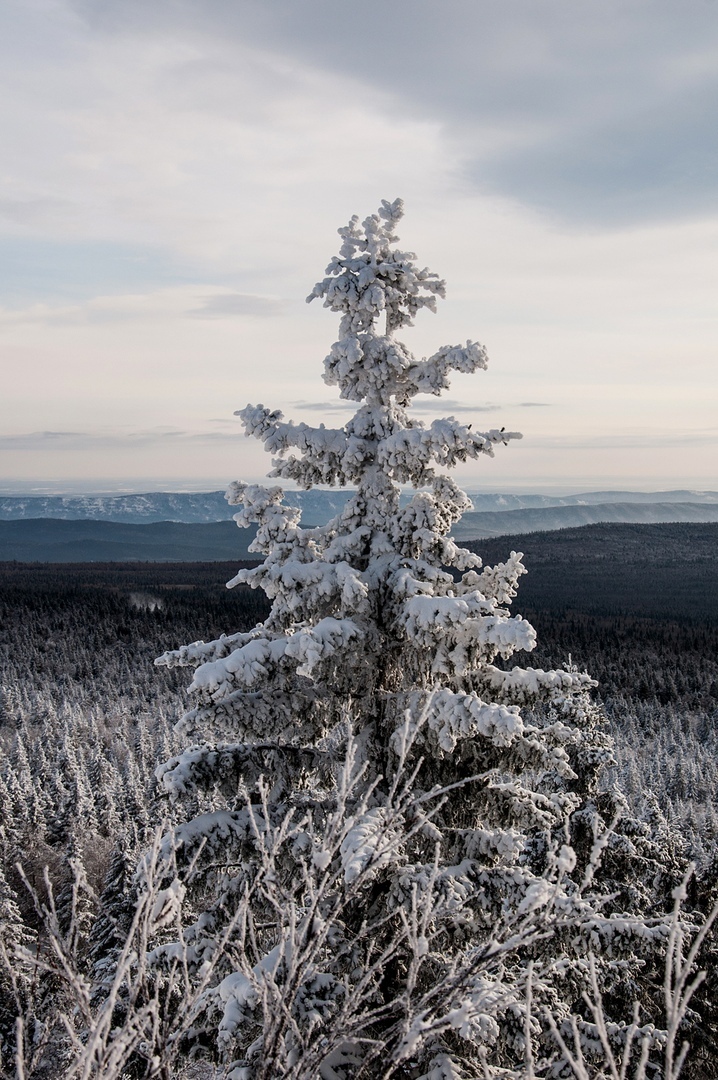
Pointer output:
x,y
173,175
162,304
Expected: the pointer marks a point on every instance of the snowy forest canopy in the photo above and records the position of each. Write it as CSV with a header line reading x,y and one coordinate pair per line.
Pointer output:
x,y
78,753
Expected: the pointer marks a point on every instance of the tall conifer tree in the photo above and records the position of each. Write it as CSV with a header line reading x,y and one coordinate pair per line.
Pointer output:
x,y
399,823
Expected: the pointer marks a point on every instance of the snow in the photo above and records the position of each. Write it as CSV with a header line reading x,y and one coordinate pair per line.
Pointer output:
x,y
367,843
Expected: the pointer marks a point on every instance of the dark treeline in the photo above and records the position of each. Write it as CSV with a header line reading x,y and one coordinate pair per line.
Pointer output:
x,y
98,626
647,660
78,618
121,576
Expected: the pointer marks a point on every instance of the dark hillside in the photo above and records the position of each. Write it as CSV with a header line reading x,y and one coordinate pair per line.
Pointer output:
x,y
59,541
635,605
666,571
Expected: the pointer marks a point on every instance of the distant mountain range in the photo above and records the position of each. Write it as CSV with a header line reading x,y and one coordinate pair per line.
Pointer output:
x,y
477,526
165,527
487,502
85,540
317,506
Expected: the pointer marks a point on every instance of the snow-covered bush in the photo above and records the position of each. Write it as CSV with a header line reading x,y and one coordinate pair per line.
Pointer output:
x,y
401,833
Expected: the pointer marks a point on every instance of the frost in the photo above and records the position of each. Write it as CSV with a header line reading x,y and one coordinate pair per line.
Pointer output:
x,y
537,895
462,716
442,1068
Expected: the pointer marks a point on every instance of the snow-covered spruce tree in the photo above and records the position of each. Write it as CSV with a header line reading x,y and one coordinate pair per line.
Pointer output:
x,y
385,857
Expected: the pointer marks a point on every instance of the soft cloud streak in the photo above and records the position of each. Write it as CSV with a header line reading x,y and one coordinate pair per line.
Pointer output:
x,y
436,406
229,305
161,304
90,441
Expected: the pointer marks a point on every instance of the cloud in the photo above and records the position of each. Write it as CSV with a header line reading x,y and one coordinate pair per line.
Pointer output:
x,y
654,161
435,405
445,406
172,170
182,135
31,211
93,441
170,303
600,112
228,305
324,406
628,440
240,111
73,271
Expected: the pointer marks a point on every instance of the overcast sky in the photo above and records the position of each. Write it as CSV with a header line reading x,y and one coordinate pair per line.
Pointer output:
x,y
173,174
